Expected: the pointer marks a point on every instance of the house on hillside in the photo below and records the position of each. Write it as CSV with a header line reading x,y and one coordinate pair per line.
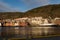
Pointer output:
x,y
57,21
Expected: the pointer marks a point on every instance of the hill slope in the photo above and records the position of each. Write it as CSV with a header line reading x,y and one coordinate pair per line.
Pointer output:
x,y
10,15
45,11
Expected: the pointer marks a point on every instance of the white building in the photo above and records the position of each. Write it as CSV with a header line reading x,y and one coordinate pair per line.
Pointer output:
x,y
35,20
0,24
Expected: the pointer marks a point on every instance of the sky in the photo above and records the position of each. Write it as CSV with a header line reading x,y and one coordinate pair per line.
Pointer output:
x,y
23,5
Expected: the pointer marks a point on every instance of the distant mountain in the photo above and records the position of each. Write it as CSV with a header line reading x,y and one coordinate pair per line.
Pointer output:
x,y
44,11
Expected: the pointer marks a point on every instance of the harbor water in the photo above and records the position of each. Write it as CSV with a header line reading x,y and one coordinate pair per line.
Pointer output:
x,y
28,32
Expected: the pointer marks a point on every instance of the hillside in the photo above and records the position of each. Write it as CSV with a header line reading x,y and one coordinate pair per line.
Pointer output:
x,y
44,11
10,15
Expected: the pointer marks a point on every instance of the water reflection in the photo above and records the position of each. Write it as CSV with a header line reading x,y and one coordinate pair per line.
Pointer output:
x,y
28,31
